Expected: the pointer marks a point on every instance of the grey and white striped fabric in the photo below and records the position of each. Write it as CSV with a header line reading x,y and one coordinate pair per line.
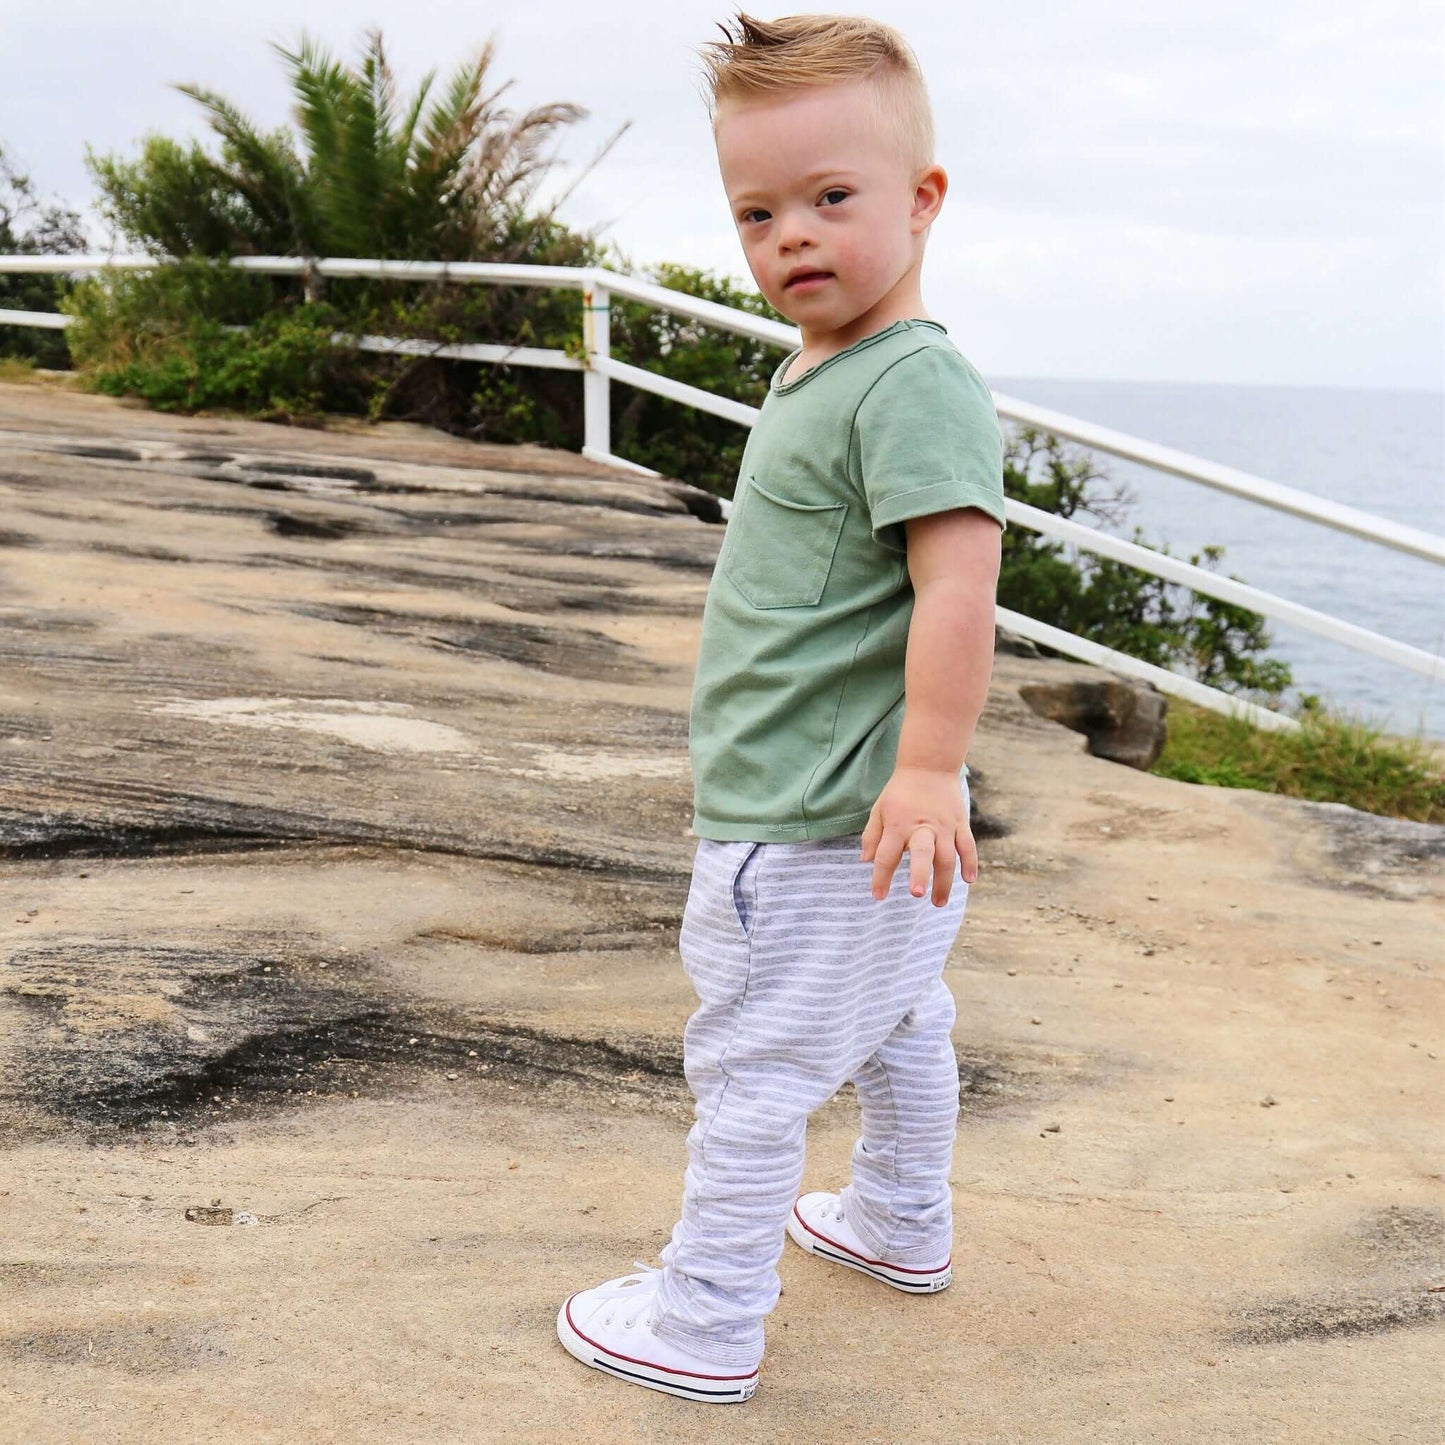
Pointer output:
x,y
804,981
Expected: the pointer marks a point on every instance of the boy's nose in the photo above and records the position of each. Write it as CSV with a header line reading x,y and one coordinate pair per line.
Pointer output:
x,y
794,233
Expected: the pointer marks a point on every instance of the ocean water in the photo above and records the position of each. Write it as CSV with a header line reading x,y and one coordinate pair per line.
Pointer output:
x,y
1379,450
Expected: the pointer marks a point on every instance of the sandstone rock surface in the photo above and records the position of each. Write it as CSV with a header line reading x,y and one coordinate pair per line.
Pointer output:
x,y
343,843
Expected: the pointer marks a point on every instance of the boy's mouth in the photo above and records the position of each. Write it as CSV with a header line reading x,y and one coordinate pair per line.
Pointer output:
x,y
803,279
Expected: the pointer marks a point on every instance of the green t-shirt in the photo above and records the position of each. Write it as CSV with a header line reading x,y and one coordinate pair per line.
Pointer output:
x,y
797,702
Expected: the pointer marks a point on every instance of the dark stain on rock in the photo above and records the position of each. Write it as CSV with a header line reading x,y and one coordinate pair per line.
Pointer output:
x,y
56,834
101,453
148,554
436,522
259,1027
599,939
347,661
615,504
52,621
372,1051
17,539
538,593
1394,1262
701,559
394,489
192,826
210,509
154,1347
313,469
1407,1233
983,822
577,653
322,529
1338,1318
1369,851
573,651
263,1027
264,484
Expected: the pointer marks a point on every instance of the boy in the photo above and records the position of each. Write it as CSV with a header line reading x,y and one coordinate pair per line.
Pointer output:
x,y
858,570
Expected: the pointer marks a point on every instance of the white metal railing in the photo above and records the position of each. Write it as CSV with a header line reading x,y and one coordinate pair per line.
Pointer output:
x,y
600,368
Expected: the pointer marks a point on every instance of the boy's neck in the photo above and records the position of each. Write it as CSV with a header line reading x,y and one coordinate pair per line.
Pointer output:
x,y
903,303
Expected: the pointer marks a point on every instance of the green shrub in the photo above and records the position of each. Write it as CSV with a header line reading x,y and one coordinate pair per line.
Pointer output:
x,y
163,336
29,227
447,175
1114,604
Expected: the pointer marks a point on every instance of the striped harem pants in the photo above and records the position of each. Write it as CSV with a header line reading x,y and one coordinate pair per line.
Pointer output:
x,y
805,981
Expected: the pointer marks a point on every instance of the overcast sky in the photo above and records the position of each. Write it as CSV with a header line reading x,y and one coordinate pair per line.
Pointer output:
x,y
1230,191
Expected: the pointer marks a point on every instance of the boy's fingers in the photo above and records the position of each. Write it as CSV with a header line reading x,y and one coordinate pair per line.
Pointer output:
x,y
968,855
870,838
886,861
920,858
945,860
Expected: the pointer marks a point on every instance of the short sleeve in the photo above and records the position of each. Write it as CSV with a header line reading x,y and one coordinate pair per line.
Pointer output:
x,y
926,439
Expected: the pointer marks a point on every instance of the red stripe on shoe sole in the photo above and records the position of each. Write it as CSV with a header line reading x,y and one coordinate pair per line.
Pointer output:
x,y
650,1364
881,1263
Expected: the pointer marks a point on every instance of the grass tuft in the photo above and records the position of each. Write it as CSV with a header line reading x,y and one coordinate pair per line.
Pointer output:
x,y
1332,758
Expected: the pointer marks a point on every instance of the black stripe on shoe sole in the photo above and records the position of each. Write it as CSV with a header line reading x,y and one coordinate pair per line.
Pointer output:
x,y
922,1287
691,1391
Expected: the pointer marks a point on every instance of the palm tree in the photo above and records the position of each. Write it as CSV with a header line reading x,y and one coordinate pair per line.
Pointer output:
x,y
451,181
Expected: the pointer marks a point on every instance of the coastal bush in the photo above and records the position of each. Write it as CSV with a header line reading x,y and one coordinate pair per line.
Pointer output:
x,y
1114,604
32,227
1334,757
444,177
165,337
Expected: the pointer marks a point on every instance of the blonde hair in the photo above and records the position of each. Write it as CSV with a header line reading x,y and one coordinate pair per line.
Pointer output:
x,y
769,57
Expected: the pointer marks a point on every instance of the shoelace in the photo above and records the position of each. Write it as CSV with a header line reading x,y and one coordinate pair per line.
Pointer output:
x,y
647,1293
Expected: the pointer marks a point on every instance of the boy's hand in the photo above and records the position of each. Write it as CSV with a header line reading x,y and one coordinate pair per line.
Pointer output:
x,y
921,811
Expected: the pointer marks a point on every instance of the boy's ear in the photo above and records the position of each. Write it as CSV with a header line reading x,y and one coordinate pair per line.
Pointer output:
x,y
928,197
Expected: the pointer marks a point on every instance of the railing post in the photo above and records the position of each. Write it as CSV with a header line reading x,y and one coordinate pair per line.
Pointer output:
x,y
597,339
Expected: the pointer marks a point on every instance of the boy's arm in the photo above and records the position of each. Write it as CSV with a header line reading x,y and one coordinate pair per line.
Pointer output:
x,y
953,561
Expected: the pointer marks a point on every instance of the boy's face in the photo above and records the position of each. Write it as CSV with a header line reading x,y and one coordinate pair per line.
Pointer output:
x,y
816,188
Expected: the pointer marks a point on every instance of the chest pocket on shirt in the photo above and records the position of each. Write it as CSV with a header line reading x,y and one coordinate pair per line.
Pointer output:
x,y
781,551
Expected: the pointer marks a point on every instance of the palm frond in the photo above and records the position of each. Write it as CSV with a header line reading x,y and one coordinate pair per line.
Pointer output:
x,y
319,81
262,169
407,134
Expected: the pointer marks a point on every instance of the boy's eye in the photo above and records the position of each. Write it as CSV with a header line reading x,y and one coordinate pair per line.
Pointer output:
x,y
841,194
756,211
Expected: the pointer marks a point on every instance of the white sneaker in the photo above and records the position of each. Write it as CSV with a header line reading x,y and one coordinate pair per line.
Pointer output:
x,y
818,1225
609,1328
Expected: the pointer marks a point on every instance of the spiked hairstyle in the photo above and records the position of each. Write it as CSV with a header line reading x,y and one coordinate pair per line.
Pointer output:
x,y
760,58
